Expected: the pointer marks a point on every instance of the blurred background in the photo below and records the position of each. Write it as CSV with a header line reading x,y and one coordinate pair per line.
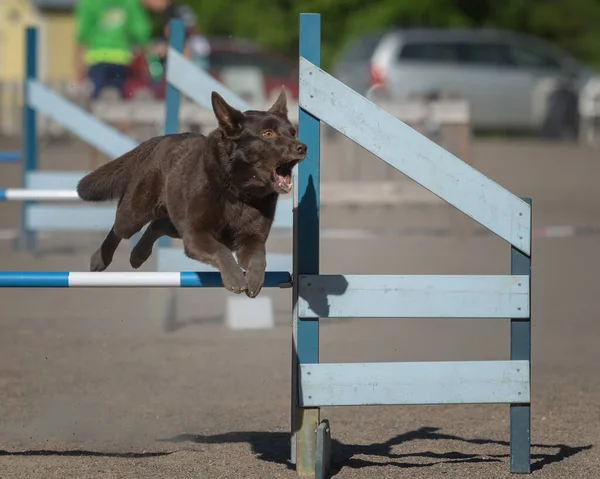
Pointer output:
x,y
523,67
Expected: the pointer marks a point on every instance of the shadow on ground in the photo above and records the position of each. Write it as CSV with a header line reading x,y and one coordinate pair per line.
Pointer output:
x,y
274,447
83,453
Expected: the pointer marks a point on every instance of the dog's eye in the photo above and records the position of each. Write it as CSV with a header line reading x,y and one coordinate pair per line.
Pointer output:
x,y
269,134
293,132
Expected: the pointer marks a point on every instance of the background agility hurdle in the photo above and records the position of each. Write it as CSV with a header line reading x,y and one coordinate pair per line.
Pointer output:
x,y
315,384
50,217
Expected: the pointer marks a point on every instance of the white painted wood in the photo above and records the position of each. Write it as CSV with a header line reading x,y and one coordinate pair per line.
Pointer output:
x,y
53,180
458,382
69,217
198,85
243,313
413,296
109,279
22,194
108,140
415,155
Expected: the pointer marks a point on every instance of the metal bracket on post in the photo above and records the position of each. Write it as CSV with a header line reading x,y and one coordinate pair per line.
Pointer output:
x,y
323,461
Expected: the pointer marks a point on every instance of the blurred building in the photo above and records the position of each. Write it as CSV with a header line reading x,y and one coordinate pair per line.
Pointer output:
x,y
56,24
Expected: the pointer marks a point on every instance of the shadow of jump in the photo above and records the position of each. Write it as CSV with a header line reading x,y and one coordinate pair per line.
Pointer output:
x,y
274,447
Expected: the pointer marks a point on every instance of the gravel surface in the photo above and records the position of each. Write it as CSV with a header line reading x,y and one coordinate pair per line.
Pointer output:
x,y
92,387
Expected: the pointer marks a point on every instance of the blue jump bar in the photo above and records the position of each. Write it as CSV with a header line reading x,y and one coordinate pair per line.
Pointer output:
x,y
18,279
9,156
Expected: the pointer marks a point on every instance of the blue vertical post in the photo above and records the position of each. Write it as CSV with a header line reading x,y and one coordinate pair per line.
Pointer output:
x,y
173,96
520,349
27,238
306,257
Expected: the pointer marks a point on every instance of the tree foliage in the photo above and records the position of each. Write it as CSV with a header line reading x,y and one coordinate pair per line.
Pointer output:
x,y
571,24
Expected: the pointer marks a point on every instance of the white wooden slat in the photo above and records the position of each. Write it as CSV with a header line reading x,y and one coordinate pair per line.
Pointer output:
x,y
53,180
413,296
415,155
108,140
174,259
197,84
69,217
456,382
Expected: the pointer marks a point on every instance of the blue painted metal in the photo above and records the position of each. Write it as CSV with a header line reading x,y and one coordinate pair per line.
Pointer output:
x,y
429,382
306,251
273,279
172,96
413,296
26,279
412,153
2,195
27,238
520,350
16,279
9,156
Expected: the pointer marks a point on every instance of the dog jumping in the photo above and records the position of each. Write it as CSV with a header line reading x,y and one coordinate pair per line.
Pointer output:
x,y
217,193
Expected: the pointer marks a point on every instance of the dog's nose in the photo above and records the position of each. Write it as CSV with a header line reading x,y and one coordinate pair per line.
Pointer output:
x,y
301,148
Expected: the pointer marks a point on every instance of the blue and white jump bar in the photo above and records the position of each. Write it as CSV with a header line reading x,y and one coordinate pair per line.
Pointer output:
x,y
19,279
25,194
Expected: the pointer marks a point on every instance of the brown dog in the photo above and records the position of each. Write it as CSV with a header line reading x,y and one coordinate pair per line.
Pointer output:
x,y
218,193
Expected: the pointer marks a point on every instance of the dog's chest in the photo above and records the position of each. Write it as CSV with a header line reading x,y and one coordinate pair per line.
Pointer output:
x,y
241,221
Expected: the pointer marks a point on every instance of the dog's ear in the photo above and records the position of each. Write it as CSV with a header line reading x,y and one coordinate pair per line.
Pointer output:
x,y
230,119
280,105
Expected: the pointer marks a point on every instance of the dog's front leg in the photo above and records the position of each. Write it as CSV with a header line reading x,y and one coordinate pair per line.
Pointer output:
x,y
206,249
253,258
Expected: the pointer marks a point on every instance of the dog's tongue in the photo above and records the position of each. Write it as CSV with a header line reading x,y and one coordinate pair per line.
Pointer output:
x,y
284,182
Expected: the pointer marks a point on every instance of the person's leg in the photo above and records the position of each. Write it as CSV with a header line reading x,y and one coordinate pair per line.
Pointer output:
x,y
97,75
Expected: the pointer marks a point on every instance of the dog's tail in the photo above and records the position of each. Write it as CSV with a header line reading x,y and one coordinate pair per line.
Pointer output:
x,y
110,180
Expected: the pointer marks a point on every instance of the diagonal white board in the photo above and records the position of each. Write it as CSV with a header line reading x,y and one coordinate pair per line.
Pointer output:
x,y
198,85
108,140
415,155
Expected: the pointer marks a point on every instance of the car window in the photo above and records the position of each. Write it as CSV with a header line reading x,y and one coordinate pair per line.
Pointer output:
x,y
429,52
526,57
485,54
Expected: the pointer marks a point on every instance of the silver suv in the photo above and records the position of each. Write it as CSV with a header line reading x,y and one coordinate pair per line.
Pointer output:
x,y
511,81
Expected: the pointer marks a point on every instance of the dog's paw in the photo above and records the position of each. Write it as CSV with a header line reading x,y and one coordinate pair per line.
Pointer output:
x,y
255,280
98,263
138,257
234,280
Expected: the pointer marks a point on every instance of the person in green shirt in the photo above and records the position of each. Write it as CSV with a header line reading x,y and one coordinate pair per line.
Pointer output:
x,y
107,32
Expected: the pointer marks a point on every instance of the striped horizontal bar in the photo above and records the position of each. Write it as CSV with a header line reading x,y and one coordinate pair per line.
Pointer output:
x,y
435,382
24,194
13,279
171,258
197,84
413,296
9,156
105,138
415,155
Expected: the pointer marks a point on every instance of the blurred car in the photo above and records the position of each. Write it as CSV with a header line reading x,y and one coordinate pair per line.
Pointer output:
x,y
226,52
503,75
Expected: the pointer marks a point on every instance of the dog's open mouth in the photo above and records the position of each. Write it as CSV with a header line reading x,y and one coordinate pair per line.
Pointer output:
x,y
282,177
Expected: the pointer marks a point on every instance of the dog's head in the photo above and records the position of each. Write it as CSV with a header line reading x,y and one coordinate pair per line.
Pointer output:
x,y
263,144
